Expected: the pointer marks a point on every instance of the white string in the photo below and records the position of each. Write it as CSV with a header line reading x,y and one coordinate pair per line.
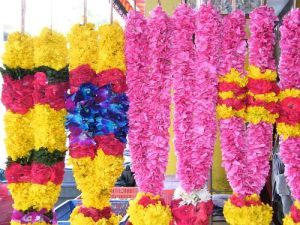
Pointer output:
x,y
23,12
84,11
111,11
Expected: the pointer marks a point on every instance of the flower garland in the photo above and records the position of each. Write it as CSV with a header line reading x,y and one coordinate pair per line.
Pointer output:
x,y
243,207
261,108
97,118
289,104
35,146
149,117
193,150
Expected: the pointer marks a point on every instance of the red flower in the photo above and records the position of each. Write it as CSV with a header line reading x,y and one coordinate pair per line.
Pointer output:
x,y
55,94
240,201
290,110
113,76
40,173
272,107
96,214
190,214
295,213
80,75
146,200
236,89
79,151
232,102
110,145
58,170
17,94
16,173
40,83
262,86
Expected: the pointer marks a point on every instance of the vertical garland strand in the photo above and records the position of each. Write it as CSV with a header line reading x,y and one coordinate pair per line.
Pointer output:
x,y
195,97
289,102
153,81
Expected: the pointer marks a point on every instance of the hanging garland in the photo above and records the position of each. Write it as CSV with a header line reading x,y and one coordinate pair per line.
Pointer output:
x,y
149,117
195,117
36,169
249,154
289,103
97,118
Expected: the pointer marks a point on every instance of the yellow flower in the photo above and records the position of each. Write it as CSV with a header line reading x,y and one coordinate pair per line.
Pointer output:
x,y
294,93
288,220
78,218
96,177
287,130
257,114
111,48
157,214
254,215
19,136
50,49
268,97
225,112
226,94
19,51
37,196
83,41
48,128
234,76
255,73
35,223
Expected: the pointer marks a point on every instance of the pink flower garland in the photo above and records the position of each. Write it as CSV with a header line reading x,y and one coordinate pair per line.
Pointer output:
x,y
136,51
205,90
290,79
149,95
158,100
233,130
195,95
262,40
261,47
183,77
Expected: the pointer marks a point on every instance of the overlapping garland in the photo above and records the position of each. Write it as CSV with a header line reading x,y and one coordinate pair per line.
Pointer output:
x,y
246,150
149,84
35,165
97,118
288,123
195,97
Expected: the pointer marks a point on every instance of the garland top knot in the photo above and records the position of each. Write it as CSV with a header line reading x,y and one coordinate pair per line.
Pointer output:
x,y
19,51
50,49
83,46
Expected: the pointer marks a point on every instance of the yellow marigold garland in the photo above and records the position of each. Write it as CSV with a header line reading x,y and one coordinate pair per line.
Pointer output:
x,y
36,223
37,196
83,41
244,215
286,130
103,170
50,50
48,127
255,73
234,76
256,114
78,218
225,112
19,136
19,51
157,214
111,45
294,93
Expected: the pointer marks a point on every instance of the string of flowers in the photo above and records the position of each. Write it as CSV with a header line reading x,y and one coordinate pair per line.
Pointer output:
x,y
148,136
97,118
253,150
195,120
38,169
288,123
242,207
